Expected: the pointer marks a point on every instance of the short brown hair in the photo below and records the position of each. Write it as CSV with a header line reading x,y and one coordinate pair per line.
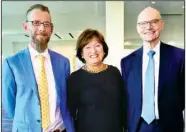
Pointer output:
x,y
85,37
37,6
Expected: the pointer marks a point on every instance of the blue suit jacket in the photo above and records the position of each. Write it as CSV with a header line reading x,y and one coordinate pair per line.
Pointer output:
x,y
171,88
20,96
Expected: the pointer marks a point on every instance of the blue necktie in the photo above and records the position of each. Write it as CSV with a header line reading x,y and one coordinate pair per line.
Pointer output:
x,y
148,111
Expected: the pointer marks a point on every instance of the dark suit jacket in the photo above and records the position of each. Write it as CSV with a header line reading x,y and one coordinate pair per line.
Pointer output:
x,y
171,88
20,96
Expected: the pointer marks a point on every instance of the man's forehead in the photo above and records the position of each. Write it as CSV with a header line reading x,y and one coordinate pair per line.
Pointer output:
x,y
38,13
148,14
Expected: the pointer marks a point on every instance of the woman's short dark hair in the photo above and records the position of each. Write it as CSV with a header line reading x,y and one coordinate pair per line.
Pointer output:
x,y
85,37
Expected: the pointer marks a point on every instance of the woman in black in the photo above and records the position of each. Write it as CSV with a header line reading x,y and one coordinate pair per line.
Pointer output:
x,y
96,97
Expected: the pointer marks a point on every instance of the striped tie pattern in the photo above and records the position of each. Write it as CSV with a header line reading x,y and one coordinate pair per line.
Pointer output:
x,y
43,94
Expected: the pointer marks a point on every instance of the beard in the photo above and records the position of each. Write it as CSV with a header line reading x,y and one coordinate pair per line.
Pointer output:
x,y
41,43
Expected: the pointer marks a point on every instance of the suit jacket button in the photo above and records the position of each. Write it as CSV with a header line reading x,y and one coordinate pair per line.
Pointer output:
x,y
38,121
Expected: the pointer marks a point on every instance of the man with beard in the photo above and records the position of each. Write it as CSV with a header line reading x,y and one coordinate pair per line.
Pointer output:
x,y
34,80
154,78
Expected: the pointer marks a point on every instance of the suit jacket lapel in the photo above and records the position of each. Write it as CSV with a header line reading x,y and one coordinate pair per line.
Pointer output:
x,y
55,67
136,67
138,71
28,71
163,67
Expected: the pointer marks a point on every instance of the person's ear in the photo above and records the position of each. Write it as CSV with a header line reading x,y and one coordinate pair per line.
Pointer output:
x,y
25,26
52,29
81,55
162,25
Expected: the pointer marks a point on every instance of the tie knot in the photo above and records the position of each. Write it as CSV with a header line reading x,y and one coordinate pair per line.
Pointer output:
x,y
151,53
41,58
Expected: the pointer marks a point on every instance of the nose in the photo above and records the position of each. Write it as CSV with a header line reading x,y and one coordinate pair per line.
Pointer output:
x,y
93,49
41,27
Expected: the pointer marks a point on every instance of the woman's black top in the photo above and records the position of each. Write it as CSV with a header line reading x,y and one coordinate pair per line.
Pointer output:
x,y
96,100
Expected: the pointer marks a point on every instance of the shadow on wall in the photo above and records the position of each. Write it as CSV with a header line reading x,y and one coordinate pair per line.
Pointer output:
x,y
6,122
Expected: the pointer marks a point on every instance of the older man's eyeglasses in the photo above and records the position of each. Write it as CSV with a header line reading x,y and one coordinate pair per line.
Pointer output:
x,y
38,23
152,23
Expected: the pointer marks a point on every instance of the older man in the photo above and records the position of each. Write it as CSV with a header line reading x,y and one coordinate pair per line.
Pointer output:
x,y
154,78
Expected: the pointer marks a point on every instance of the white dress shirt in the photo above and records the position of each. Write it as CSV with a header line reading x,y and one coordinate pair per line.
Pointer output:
x,y
145,64
55,115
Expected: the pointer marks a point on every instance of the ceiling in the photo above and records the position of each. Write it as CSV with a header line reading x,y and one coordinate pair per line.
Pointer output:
x,y
75,16
67,16
165,7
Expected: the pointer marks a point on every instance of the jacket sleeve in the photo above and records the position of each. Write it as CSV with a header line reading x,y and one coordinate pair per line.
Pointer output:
x,y
182,83
8,89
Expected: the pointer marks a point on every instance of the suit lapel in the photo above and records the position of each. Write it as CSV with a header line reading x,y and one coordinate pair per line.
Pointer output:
x,y
55,68
136,67
163,67
28,71
138,72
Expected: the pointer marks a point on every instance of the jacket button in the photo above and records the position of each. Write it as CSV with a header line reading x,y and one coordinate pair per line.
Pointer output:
x,y
38,121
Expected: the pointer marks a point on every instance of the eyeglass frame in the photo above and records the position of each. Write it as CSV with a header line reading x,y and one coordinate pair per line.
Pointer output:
x,y
154,21
51,24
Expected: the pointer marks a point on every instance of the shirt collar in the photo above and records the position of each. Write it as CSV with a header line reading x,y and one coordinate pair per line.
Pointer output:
x,y
146,48
34,53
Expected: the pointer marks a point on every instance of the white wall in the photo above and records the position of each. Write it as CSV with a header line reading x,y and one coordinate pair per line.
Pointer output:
x,y
66,48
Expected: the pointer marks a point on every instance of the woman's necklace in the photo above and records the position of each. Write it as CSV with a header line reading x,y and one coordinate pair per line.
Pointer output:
x,y
104,67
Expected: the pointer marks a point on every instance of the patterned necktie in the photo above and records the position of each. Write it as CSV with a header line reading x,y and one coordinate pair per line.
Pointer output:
x,y
148,111
43,94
